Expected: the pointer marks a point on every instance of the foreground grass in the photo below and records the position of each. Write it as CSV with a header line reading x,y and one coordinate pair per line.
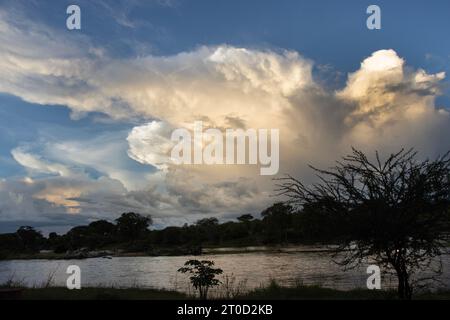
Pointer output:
x,y
57,293
271,292
301,292
277,292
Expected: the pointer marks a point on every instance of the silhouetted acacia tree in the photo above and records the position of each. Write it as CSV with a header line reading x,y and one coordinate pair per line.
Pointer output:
x,y
203,275
394,211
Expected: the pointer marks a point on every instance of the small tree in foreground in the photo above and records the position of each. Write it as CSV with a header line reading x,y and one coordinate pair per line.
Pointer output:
x,y
202,275
394,211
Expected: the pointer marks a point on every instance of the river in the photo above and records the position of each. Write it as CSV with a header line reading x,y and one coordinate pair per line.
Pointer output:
x,y
245,270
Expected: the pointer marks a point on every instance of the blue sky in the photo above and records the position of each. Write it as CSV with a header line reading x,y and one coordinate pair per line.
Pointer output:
x,y
332,35
332,32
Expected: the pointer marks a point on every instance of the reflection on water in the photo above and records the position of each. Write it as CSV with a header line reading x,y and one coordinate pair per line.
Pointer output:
x,y
256,267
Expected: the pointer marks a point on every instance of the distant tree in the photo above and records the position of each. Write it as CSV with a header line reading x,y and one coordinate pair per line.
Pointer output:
x,y
246,222
207,230
102,228
233,232
277,220
171,236
132,226
10,242
31,239
100,233
394,211
52,240
52,236
77,237
203,275
245,218
312,224
207,222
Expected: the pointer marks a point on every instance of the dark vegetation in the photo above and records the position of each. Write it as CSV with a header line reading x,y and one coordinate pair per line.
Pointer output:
x,y
270,292
60,293
279,224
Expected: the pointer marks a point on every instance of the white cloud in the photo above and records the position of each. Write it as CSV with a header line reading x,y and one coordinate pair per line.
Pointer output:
x,y
151,144
35,163
384,105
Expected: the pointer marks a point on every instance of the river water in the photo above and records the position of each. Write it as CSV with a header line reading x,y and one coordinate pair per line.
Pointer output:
x,y
245,270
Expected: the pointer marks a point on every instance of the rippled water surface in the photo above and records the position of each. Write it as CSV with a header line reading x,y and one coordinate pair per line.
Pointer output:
x,y
250,269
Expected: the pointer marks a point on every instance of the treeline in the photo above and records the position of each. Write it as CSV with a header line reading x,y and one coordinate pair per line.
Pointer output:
x,y
279,224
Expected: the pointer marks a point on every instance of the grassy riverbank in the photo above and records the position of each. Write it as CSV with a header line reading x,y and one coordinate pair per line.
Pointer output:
x,y
273,291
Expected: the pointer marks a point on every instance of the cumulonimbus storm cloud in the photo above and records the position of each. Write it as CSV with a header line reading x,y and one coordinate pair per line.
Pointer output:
x,y
383,106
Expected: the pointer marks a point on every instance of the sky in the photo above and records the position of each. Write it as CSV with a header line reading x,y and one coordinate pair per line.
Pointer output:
x,y
86,115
